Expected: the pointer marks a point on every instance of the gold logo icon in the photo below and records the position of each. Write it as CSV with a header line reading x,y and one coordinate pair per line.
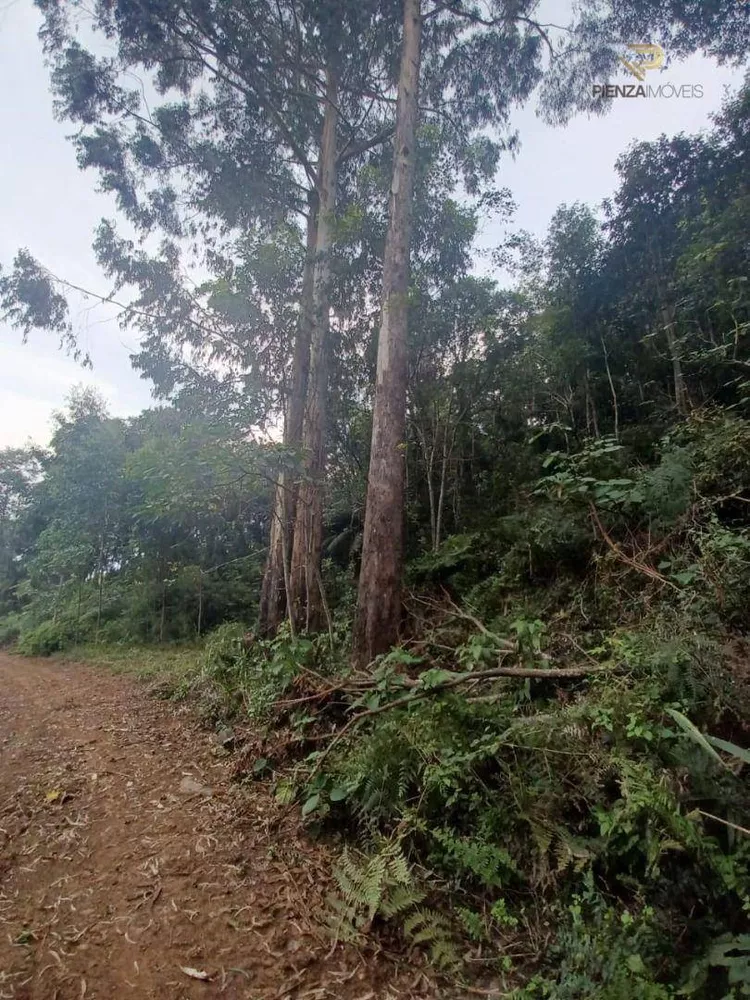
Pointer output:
x,y
649,57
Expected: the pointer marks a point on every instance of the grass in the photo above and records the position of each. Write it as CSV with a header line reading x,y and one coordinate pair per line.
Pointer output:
x,y
173,672
176,665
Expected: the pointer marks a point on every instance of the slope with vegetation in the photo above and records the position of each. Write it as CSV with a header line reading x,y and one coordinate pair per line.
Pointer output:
x,y
541,782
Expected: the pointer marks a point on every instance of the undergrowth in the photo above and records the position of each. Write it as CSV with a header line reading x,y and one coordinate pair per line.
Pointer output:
x,y
574,834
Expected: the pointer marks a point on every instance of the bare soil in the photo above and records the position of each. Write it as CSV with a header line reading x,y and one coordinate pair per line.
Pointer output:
x,y
119,878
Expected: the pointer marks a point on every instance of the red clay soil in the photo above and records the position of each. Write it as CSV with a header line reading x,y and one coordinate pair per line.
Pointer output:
x,y
117,875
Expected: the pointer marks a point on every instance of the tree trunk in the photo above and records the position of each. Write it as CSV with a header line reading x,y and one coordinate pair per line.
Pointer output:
x,y
273,589
163,614
305,598
615,404
379,600
57,598
429,459
447,455
680,392
78,613
592,422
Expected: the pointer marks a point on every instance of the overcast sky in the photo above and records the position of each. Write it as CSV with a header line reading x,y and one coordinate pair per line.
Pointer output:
x,y
49,206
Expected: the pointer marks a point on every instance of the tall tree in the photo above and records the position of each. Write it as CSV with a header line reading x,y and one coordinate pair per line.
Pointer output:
x,y
379,600
473,38
238,151
305,596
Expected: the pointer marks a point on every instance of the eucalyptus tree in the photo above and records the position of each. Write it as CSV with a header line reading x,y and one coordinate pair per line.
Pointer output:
x,y
474,61
220,141
472,64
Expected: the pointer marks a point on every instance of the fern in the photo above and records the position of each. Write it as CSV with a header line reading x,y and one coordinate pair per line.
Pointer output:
x,y
368,886
383,885
400,900
433,931
476,855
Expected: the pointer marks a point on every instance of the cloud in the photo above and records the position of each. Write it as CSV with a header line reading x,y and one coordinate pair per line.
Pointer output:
x,y
35,380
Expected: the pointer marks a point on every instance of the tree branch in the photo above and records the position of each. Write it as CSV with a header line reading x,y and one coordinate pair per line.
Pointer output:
x,y
356,149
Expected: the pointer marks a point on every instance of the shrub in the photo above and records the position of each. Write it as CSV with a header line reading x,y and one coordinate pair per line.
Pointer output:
x,y
48,637
10,630
254,672
603,953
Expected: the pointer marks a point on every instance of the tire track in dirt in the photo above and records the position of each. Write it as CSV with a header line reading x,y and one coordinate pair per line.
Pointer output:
x,y
114,879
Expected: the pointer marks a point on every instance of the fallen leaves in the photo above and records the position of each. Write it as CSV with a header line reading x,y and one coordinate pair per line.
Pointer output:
x,y
189,786
195,973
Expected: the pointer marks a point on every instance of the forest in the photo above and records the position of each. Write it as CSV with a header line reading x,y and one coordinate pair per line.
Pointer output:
x,y
462,534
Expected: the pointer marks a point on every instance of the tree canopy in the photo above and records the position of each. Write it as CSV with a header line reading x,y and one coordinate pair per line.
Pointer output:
x,y
477,546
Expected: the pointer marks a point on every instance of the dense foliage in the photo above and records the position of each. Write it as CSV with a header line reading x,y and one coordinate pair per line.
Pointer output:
x,y
543,783
140,530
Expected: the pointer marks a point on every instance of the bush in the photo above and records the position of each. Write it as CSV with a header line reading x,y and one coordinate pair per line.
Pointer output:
x,y
254,672
48,637
604,953
582,806
10,630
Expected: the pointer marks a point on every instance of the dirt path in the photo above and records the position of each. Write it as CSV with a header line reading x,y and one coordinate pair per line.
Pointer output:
x,y
117,874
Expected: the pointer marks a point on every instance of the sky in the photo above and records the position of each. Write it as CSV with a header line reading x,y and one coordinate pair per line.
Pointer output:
x,y
52,208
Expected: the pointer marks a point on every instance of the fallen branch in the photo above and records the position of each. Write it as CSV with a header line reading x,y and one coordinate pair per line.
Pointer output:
x,y
461,614
306,699
725,822
471,676
633,563
539,673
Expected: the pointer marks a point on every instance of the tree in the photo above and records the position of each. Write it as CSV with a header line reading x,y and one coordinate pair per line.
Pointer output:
x,y
20,471
252,298
378,605
254,87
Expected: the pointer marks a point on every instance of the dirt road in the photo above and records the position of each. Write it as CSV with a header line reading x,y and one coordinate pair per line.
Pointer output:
x,y
130,862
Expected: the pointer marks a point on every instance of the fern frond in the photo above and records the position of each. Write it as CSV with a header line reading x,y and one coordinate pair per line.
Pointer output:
x,y
400,900
428,927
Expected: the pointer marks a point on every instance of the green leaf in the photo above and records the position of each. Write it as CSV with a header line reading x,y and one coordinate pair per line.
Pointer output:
x,y
285,792
695,734
635,964
434,678
338,793
311,804
739,752
401,656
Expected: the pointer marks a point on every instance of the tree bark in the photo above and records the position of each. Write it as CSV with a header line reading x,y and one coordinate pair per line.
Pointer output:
x,y
429,458
102,536
305,599
78,613
680,391
592,423
615,404
163,612
379,600
281,533
447,455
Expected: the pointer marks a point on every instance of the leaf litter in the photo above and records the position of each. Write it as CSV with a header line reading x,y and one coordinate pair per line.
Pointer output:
x,y
120,878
